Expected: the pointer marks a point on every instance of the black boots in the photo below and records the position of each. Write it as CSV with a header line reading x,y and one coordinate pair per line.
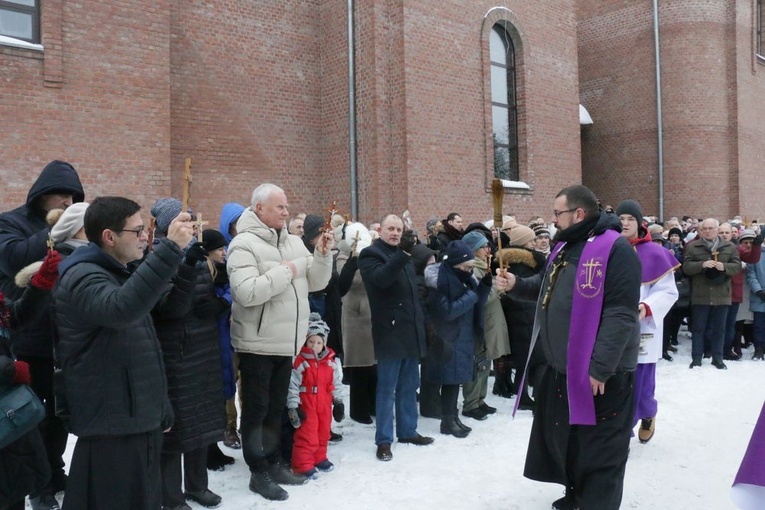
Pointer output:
x,y
449,426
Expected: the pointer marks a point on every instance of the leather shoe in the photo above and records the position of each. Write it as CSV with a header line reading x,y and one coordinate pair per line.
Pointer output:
x,y
647,429
477,414
383,453
416,439
487,408
206,498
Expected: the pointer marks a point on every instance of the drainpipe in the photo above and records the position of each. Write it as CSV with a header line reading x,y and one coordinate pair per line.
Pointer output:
x,y
352,115
659,125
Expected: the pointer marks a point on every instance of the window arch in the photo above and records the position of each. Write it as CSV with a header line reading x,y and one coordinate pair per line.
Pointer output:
x,y
504,110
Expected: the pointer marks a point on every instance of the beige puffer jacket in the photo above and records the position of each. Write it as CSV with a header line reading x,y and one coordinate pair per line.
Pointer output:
x,y
270,308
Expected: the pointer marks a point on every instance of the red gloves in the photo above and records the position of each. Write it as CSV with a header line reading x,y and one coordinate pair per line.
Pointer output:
x,y
45,277
22,373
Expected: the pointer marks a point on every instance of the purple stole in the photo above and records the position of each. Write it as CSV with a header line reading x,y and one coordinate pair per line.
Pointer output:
x,y
586,309
752,470
655,260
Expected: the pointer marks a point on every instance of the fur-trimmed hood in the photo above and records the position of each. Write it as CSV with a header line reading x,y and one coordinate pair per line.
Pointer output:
x,y
525,256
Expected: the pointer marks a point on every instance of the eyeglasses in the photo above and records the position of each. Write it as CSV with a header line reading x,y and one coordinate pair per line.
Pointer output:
x,y
558,213
137,231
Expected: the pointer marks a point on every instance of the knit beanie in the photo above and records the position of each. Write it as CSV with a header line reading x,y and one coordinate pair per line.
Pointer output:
x,y
212,239
165,211
541,230
520,235
675,231
633,209
458,252
475,240
69,223
420,256
312,226
316,326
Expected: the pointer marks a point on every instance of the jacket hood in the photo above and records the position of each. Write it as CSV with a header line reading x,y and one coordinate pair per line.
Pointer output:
x,y
90,253
56,177
249,222
229,214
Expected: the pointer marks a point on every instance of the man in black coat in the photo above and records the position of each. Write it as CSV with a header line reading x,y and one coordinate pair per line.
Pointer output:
x,y
111,359
23,237
398,332
587,327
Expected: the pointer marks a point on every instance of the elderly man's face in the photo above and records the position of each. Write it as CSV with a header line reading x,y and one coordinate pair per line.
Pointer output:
x,y
274,211
725,231
709,229
296,227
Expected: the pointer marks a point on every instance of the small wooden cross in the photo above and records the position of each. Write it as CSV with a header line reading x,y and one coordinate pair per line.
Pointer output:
x,y
198,225
186,185
50,242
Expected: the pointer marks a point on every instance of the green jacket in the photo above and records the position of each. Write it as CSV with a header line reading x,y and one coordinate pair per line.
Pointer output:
x,y
710,287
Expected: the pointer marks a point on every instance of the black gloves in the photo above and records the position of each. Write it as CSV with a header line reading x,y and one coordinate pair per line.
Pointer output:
x,y
338,410
407,241
296,416
757,240
487,279
761,294
194,254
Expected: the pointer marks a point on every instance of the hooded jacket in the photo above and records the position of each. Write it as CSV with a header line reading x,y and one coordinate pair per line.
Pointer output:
x,y
270,307
230,213
23,238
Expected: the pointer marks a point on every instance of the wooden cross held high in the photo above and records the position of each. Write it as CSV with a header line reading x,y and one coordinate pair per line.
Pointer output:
x,y
187,180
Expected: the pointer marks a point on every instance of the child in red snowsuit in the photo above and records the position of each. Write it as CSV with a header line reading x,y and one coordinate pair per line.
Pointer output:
x,y
315,385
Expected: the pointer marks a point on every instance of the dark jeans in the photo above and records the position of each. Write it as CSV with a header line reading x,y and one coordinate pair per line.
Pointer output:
x,y
759,330
708,321
194,477
265,381
52,429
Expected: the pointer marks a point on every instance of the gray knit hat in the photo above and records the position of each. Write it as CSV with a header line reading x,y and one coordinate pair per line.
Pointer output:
x,y
164,211
316,326
70,222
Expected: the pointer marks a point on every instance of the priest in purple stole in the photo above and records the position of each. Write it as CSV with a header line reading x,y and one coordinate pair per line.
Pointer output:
x,y
588,330
658,293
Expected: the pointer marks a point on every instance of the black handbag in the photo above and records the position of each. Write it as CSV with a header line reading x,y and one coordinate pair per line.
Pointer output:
x,y
20,412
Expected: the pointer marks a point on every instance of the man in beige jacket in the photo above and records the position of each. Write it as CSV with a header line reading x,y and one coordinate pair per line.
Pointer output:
x,y
271,273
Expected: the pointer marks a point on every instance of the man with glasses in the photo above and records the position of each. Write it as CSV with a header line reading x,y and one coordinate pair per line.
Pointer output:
x,y
710,262
587,326
23,240
111,359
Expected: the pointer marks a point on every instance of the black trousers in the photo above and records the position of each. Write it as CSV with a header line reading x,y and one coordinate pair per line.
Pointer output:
x,y
115,473
449,395
52,430
265,382
363,391
194,476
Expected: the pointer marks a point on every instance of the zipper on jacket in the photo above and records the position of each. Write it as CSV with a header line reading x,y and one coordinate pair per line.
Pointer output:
x,y
297,318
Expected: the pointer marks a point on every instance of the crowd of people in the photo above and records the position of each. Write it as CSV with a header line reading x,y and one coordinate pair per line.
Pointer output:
x,y
141,339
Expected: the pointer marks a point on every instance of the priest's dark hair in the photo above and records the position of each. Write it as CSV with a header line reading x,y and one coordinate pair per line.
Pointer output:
x,y
580,197
107,213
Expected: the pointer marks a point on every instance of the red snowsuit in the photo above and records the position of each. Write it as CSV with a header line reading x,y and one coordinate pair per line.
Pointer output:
x,y
316,380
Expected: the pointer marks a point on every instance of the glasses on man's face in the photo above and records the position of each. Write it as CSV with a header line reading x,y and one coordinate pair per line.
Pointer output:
x,y
137,231
558,213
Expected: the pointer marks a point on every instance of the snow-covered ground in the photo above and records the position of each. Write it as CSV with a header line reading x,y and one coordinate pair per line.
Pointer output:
x,y
704,423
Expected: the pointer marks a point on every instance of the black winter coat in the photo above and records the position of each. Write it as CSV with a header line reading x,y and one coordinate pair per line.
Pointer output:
x,y
618,338
23,238
519,314
398,323
24,466
187,328
112,362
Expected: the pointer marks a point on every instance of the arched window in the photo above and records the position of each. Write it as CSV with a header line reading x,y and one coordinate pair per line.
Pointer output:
x,y
504,111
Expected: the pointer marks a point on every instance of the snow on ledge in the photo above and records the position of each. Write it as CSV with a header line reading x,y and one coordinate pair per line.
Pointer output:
x,y
18,43
514,184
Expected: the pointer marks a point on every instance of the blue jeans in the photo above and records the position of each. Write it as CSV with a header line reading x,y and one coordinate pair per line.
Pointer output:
x,y
730,327
759,329
397,383
708,320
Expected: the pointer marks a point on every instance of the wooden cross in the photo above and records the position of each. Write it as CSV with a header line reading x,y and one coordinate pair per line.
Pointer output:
x,y
50,242
152,230
198,225
186,185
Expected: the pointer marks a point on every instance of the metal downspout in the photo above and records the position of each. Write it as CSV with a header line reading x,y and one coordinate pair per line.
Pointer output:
x,y
659,124
352,114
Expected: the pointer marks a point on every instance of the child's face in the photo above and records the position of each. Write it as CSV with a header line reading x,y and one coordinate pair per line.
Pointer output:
x,y
316,343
